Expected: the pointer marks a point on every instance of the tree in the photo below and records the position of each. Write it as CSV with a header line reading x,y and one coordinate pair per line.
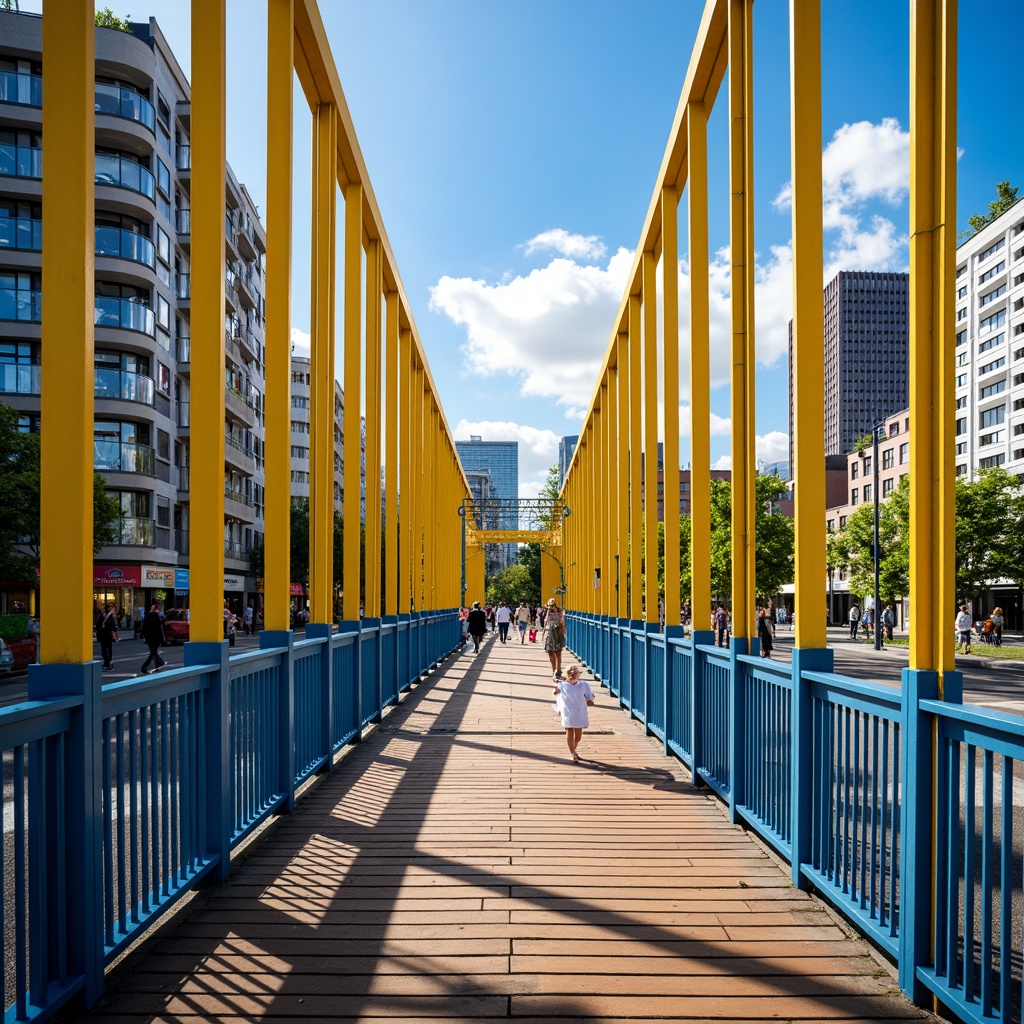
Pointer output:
x,y
106,18
548,495
1006,197
530,557
989,524
512,585
853,547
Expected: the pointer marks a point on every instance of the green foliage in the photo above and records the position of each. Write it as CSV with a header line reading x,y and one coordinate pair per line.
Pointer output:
x,y
1006,197
548,494
989,526
106,18
863,443
106,515
13,627
529,557
512,585
19,497
852,549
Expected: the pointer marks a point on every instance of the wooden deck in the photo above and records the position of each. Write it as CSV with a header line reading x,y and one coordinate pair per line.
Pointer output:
x,y
458,866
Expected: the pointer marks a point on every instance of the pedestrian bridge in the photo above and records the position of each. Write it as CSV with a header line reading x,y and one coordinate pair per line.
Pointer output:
x,y
424,849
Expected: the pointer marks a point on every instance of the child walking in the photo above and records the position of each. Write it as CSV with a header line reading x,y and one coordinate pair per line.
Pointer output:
x,y
574,696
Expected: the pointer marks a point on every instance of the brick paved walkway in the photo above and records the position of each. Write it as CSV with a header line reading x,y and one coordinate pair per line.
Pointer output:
x,y
458,866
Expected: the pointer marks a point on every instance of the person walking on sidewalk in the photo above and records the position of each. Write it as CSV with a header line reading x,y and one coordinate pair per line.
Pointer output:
x,y
504,617
106,631
554,636
722,625
476,624
573,697
764,633
522,620
153,634
963,629
854,619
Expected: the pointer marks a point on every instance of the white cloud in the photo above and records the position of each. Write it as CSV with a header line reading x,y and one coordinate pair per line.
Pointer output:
x,y
300,342
538,449
723,462
567,244
769,448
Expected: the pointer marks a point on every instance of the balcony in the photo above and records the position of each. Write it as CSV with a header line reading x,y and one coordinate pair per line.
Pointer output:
x,y
239,405
183,159
18,379
21,233
125,245
121,172
22,89
21,304
236,550
183,349
182,418
249,345
183,221
21,161
182,474
183,287
247,288
125,314
238,455
127,387
140,533
123,457
247,240
115,101
181,541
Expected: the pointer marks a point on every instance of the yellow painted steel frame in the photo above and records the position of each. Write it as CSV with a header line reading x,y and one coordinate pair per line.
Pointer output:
x,y
649,303
635,449
391,472
277,397
932,276
374,425
808,323
206,476
670,364
69,44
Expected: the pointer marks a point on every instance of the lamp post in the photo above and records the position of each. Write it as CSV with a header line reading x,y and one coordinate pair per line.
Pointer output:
x,y
876,613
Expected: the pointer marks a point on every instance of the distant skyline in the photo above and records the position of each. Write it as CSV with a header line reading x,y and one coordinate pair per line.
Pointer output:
x,y
513,150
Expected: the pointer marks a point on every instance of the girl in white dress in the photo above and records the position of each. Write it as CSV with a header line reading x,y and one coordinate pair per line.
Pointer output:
x,y
573,697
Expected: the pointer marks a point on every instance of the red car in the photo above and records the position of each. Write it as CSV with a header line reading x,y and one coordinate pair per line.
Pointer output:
x,y
23,654
176,626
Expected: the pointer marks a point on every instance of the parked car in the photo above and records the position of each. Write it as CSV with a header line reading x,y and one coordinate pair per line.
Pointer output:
x,y
176,626
17,655
6,659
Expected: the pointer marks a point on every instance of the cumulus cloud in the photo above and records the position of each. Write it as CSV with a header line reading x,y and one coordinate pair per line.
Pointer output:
x,y
538,449
768,448
300,342
566,244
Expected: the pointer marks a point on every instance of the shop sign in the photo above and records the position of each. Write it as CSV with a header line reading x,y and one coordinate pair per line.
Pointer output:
x,y
297,590
157,576
181,579
116,576
234,583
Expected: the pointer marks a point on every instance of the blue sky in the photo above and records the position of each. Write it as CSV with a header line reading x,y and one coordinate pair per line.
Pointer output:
x,y
513,149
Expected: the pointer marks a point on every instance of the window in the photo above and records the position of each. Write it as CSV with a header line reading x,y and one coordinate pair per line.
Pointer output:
x,y
961,470
992,249
961,292
163,312
830,525
961,314
163,445
992,461
887,488
992,389
989,274
991,342
961,359
994,365
300,402
163,379
867,465
994,438
894,429
854,470
867,492
855,496
961,380
961,448
904,453
992,417
163,178
961,338
1018,430
888,460
300,453
298,427
992,295
961,402
992,323
842,522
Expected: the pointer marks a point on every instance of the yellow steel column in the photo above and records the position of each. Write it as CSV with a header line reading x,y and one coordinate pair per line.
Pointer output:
x,y
374,294
741,241
416,511
69,244
352,318
932,276
700,366
635,453
612,496
623,478
808,324
405,469
321,307
650,318
429,496
607,496
670,318
395,413
207,393
277,397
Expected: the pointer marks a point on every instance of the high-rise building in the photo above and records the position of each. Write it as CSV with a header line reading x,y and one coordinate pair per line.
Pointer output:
x,y
142,341
866,355
990,347
300,427
500,460
566,447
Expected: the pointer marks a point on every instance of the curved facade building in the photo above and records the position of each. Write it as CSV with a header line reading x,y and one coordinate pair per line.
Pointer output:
x,y
142,344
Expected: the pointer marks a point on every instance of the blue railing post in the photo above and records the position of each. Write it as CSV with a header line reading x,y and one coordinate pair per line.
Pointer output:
x,y
219,814
737,719
670,696
698,661
316,631
404,651
374,625
916,830
356,626
285,639
78,819
801,758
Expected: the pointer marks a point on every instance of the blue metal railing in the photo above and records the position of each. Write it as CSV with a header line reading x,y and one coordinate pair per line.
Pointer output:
x,y
837,775
122,798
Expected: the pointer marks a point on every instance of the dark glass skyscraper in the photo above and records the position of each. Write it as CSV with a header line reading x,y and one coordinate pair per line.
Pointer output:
x,y
500,460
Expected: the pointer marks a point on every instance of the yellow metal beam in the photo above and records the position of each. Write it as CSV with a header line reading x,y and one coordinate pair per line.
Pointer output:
x,y
353,395
808,323
622,469
374,294
394,413
670,346
700,367
321,441
650,320
741,245
613,497
933,37
277,405
207,320
69,244
635,452
405,469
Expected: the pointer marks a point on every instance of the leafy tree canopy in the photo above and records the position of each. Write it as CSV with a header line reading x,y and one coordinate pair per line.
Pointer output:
x,y
106,18
512,585
1005,198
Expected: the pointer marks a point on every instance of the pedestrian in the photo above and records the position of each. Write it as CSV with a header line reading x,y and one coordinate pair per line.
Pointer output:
x,y
249,618
963,629
522,620
503,617
771,618
533,616
476,624
542,616
573,697
230,624
106,633
764,633
854,619
554,636
997,626
888,621
140,614
153,634
721,625
490,619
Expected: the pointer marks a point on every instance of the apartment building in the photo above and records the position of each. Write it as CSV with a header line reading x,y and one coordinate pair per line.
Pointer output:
x,y
300,428
142,338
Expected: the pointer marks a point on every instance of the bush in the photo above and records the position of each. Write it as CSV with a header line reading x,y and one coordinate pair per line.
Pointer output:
x,y
13,627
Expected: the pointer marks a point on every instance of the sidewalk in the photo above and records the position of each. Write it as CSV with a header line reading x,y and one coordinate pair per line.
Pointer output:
x,y
457,866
